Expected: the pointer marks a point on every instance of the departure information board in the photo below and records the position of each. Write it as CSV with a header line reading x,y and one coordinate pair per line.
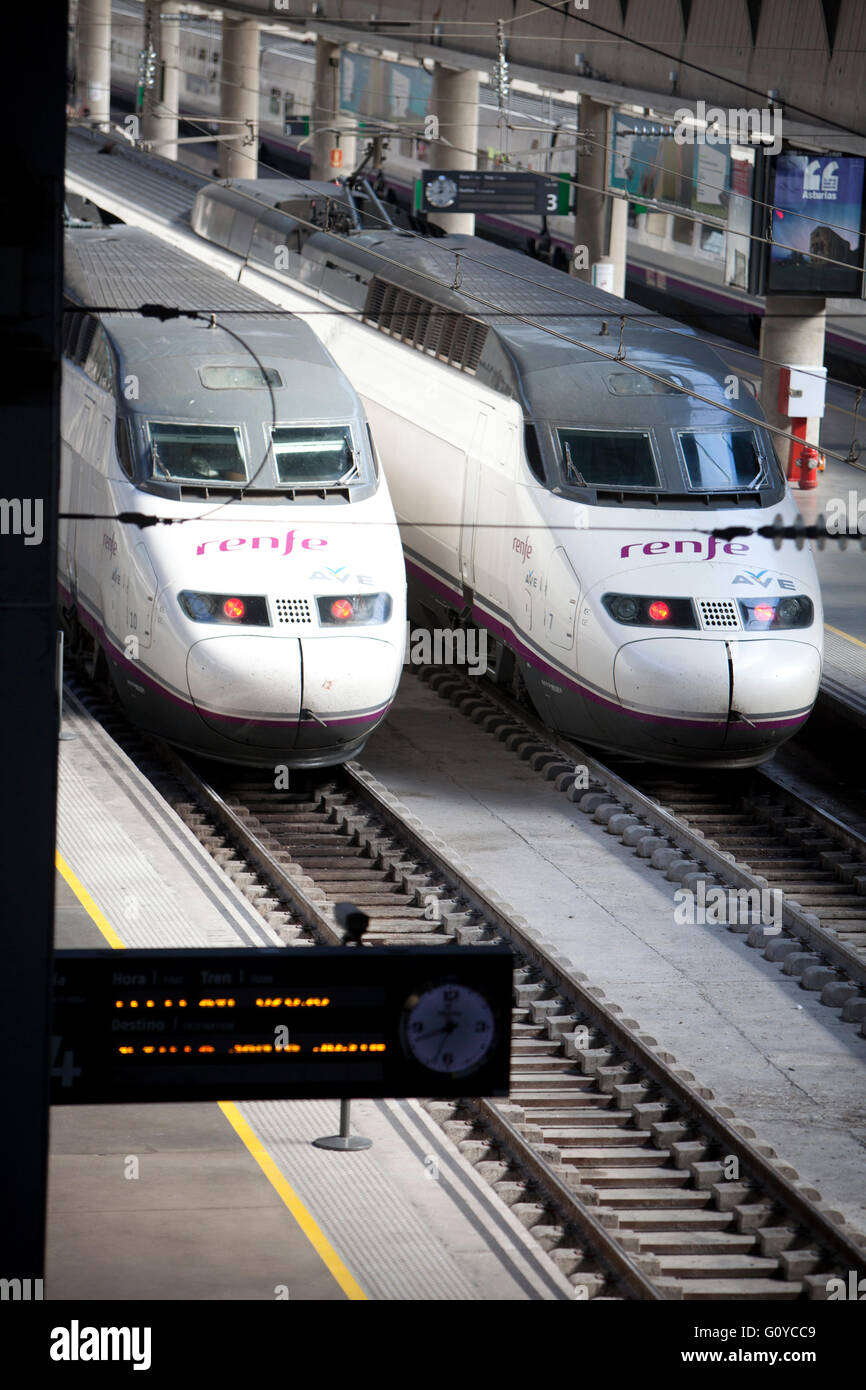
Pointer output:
x,y
497,190
338,1022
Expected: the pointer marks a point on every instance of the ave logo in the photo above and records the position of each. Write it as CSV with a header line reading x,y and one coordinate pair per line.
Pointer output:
x,y
763,578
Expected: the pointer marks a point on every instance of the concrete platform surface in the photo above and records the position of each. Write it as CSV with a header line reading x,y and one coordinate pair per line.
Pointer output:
x,y
768,1048
200,1201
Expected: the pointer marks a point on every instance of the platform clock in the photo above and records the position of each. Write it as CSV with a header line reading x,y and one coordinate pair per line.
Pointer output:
x,y
441,192
449,1028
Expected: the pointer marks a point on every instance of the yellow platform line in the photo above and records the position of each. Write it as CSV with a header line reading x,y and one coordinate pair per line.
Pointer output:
x,y
837,631
322,1246
87,902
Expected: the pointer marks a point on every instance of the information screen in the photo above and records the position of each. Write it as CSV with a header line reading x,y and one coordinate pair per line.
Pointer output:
x,y
296,1024
497,191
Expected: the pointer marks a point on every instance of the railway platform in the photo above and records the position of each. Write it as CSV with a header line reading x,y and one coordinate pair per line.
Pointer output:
x,y
841,497
232,1201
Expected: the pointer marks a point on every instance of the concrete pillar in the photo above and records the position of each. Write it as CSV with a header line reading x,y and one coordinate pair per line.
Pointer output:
x,y
792,333
93,60
600,221
239,98
159,118
454,102
616,244
330,129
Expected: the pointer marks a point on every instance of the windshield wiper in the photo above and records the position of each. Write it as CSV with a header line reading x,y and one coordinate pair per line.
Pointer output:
x,y
572,473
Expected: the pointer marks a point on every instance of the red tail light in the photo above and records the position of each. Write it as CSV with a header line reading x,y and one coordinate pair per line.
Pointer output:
x,y
341,609
764,612
234,608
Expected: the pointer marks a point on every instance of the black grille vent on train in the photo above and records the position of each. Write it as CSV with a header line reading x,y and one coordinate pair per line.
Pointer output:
x,y
453,337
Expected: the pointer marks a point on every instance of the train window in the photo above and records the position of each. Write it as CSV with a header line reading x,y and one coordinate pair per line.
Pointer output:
x,y
720,459
374,452
238,378
607,458
124,452
313,454
533,451
712,240
71,329
99,366
80,348
274,101
187,453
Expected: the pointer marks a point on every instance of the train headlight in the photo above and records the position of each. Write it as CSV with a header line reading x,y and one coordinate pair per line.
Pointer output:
x,y
643,610
623,607
230,609
353,610
759,615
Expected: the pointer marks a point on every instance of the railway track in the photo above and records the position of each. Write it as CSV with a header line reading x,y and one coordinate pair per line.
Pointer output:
x,y
621,1165
747,832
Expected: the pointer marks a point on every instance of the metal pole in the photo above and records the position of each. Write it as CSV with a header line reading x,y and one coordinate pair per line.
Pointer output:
x,y
344,1140
355,923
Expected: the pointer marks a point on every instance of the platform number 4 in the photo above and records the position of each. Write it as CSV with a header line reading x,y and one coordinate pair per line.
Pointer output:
x,y
63,1063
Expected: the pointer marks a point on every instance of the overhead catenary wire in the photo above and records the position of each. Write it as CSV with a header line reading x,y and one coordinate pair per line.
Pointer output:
x,y
542,327
565,10
655,205
671,208
642,318
685,214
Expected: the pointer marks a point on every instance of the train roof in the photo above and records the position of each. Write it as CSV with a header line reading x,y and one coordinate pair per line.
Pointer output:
x,y
122,268
527,325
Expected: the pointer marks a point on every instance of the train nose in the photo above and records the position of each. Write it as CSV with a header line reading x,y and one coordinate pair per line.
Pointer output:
x,y
346,698
774,685
675,680
248,688
286,692
723,696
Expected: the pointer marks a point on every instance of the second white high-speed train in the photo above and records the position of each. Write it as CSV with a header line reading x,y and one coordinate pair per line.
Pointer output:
x,y
227,543
558,468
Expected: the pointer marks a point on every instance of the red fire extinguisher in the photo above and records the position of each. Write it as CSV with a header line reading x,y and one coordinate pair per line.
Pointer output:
x,y
810,462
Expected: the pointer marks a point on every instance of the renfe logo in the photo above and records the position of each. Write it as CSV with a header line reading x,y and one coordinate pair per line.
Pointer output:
x,y
679,548
271,542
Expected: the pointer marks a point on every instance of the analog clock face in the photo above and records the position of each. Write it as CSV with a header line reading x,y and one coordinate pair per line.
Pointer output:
x,y
449,1028
441,192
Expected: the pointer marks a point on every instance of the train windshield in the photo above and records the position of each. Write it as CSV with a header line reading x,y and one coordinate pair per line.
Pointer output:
x,y
720,459
197,453
314,455
607,458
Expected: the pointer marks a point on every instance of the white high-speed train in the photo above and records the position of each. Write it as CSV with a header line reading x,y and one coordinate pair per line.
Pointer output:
x,y
261,620
557,471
